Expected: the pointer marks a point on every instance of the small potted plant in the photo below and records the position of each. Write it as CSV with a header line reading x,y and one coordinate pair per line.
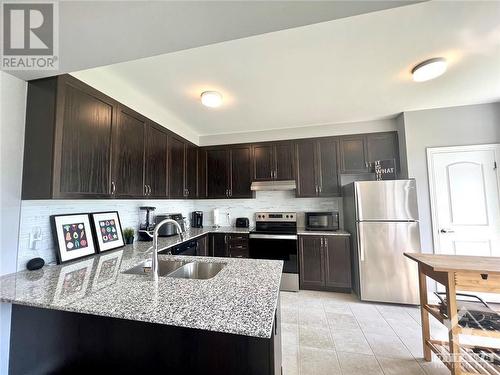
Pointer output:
x,y
128,233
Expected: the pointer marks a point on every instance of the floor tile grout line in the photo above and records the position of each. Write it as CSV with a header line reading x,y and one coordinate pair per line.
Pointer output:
x,y
400,339
363,332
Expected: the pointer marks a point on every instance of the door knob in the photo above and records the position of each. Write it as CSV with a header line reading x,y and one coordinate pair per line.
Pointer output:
x,y
447,231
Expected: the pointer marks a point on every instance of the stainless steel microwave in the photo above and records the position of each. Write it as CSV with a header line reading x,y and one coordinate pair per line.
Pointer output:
x,y
322,220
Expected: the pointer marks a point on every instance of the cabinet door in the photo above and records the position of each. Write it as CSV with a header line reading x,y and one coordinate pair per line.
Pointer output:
x,y
217,173
156,162
191,171
305,152
176,167
128,154
283,155
382,146
218,245
202,173
353,154
337,262
311,262
202,249
238,245
86,143
263,162
328,180
241,177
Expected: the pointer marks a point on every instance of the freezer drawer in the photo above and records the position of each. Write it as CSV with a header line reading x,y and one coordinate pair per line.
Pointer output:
x,y
385,274
394,200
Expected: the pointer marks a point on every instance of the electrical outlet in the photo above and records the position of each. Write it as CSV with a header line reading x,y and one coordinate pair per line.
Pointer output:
x,y
35,238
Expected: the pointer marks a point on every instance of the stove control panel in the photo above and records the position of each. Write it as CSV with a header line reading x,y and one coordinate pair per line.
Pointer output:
x,y
276,216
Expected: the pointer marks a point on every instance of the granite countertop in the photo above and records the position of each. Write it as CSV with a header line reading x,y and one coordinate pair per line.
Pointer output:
x,y
304,232
241,299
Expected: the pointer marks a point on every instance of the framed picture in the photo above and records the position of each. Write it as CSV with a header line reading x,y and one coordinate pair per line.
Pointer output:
x,y
108,230
107,270
73,281
73,236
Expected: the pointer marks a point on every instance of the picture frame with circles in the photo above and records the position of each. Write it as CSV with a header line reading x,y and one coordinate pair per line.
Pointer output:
x,y
107,230
73,236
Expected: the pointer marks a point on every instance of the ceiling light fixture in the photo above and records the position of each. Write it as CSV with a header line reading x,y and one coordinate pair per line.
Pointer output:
x,y
211,99
429,69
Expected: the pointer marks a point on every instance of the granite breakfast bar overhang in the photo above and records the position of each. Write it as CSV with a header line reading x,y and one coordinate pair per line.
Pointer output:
x,y
88,316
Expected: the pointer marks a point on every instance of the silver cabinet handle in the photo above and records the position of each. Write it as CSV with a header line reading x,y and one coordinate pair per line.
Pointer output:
x,y
113,188
150,190
326,242
320,188
230,192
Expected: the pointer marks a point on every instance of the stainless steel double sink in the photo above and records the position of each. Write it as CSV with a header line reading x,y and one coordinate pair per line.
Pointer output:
x,y
179,269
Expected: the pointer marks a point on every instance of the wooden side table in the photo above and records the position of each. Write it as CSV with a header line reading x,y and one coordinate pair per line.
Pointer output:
x,y
465,273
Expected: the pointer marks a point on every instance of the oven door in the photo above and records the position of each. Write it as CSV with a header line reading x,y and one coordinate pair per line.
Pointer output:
x,y
275,246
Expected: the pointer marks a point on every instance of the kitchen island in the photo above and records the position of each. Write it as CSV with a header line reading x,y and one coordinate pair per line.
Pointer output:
x,y
89,316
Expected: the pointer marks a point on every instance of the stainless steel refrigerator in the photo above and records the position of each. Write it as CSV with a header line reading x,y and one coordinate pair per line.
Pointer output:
x,y
382,217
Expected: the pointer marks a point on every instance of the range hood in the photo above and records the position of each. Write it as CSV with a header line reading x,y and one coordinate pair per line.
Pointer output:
x,y
273,185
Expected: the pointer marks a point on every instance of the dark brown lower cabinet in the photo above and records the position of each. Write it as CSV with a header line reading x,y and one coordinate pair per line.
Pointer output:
x,y
218,245
232,245
237,245
202,248
325,263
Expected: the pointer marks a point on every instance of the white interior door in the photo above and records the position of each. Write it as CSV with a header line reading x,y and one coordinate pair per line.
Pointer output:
x,y
464,185
467,212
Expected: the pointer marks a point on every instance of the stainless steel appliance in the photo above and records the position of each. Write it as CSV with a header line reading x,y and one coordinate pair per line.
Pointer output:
x,y
275,237
382,217
170,229
197,219
146,223
322,220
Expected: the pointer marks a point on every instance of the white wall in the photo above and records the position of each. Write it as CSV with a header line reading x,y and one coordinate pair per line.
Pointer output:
x,y
35,214
302,132
12,117
466,125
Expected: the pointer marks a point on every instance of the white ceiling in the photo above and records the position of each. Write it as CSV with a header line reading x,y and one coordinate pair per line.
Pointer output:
x,y
97,33
350,69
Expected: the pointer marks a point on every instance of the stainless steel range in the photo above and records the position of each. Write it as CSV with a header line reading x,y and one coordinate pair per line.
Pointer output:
x,y
275,237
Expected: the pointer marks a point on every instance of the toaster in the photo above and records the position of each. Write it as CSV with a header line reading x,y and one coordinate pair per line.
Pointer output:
x,y
242,222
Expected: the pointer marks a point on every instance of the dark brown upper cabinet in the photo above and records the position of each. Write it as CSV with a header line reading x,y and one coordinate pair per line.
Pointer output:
x,y
191,171
358,152
128,141
240,174
67,151
156,161
202,173
382,146
305,161
272,161
317,170
327,167
176,167
353,154
217,173
325,263
229,172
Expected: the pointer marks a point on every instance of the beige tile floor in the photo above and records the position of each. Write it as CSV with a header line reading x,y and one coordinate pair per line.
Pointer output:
x,y
333,333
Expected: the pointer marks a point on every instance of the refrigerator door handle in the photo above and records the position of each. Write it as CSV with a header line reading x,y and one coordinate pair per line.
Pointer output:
x,y
361,250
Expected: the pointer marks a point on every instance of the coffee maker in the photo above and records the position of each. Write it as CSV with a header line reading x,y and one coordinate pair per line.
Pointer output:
x,y
197,219
146,223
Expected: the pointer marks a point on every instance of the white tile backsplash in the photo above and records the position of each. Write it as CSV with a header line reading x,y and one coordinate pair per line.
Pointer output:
x,y
35,214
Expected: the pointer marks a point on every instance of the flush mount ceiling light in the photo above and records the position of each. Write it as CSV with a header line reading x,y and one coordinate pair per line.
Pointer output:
x,y
211,99
429,69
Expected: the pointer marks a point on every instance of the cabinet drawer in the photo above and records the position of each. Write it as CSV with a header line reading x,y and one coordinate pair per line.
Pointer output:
x,y
238,251
477,282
